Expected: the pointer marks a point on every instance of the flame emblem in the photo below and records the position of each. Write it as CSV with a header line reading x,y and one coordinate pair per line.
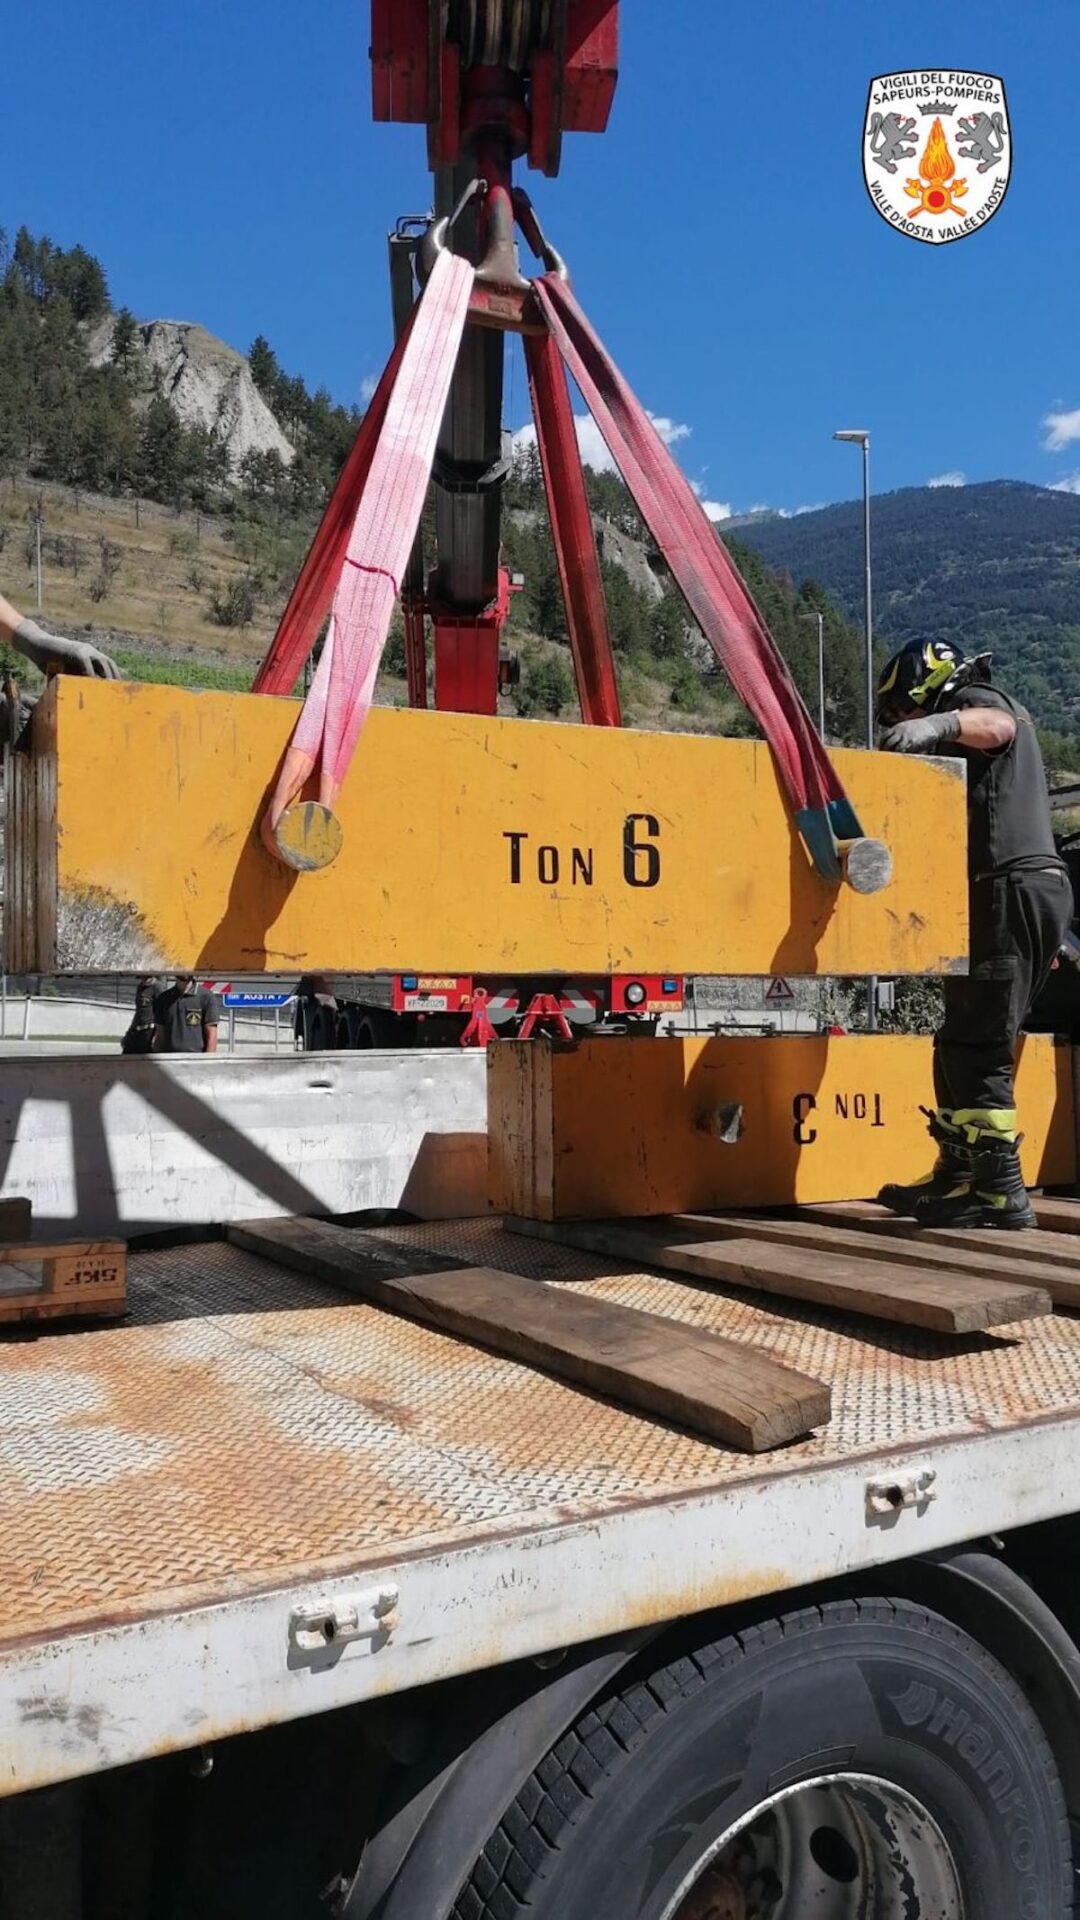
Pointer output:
x,y
938,190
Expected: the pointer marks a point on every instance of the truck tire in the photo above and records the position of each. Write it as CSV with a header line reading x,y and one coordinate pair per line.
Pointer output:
x,y
859,1759
379,1028
320,1028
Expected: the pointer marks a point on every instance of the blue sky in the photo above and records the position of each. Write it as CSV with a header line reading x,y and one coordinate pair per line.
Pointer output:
x,y
221,160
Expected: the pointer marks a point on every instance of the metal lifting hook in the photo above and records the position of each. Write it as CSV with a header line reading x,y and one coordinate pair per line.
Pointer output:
x,y
436,237
526,216
499,264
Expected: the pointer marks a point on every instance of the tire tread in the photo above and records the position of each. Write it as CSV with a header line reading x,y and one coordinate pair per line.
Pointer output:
x,y
524,1846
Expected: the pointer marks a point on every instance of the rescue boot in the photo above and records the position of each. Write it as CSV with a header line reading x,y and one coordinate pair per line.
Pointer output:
x,y
953,1165
992,1192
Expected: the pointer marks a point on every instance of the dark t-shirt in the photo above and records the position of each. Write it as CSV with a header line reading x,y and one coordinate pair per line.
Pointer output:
x,y
1008,807
185,1017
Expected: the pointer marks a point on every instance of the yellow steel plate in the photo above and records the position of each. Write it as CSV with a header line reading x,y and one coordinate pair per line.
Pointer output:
x,y
469,845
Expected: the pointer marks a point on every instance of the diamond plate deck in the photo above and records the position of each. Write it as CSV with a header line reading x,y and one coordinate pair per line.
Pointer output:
x,y
250,1428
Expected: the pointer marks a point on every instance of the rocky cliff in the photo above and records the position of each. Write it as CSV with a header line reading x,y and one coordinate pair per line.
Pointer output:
x,y
207,382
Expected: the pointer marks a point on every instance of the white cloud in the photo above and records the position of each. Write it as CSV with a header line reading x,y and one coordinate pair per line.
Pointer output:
x,y
1070,483
1061,429
590,441
954,478
593,448
367,388
814,507
594,453
670,431
714,509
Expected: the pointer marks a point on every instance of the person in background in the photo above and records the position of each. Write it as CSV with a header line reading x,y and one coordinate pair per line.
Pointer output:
x,y
139,1037
186,1018
47,651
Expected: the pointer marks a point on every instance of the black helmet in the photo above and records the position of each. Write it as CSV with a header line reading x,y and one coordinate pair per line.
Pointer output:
x,y
916,677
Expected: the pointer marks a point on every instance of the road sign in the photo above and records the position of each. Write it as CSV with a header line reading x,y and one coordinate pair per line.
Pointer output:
x,y
256,999
778,992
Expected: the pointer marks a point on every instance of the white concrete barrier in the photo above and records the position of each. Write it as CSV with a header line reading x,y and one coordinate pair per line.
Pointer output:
x,y
54,1018
123,1145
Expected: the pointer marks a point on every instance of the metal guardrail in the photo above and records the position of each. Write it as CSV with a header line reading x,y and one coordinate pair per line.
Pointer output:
x,y
59,1019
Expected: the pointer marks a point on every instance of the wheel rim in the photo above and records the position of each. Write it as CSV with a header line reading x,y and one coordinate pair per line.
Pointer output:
x,y
842,1847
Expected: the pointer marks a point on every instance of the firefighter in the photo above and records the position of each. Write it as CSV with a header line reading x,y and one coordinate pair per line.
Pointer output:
x,y
48,651
931,700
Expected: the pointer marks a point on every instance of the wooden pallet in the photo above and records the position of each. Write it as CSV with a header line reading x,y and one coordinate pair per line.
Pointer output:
x,y
852,1277
71,1279
720,1388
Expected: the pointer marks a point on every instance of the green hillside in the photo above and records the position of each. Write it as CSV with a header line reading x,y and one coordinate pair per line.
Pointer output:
x,y
177,551
994,566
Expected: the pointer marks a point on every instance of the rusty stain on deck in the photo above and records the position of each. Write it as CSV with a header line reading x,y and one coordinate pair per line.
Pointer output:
x,y
251,1428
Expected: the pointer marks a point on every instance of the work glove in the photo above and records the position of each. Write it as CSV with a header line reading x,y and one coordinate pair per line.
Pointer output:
x,y
928,734
16,707
48,650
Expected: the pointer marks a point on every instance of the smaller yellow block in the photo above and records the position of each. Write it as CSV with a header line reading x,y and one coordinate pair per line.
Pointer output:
x,y
617,1128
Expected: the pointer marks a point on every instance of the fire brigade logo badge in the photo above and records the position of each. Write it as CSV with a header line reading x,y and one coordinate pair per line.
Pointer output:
x,y
937,152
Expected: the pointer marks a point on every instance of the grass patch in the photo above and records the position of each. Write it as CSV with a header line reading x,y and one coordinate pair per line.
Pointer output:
x,y
201,674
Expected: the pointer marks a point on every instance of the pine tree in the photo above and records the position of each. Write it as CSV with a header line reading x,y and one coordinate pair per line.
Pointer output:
x,y
264,367
160,466
79,279
125,339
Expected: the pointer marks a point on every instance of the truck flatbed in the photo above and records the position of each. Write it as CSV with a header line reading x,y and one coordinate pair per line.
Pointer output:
x,y
182,1496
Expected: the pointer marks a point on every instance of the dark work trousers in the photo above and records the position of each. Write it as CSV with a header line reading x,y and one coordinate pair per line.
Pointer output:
x,y
1018,921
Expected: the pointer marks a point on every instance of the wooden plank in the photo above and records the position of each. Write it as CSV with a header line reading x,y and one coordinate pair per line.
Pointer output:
x,y
32,1307
1033,1246
928,1250
716,1387
14,1219
942,1302
1058,1214
64,1280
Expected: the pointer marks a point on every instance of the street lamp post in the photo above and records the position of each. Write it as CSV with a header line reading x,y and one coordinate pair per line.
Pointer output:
x,y
814,613
858,436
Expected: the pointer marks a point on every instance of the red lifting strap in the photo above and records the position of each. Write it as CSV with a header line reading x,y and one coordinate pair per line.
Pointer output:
x,y
309,601
698,559
392,485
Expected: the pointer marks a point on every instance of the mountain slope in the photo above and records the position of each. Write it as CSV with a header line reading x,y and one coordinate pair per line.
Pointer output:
x,y
101,413
207,383
995,566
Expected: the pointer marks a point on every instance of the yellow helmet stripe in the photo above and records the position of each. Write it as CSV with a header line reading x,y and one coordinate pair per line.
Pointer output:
x,y
941,669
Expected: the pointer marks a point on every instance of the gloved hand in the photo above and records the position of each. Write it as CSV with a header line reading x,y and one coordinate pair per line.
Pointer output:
x,y
928,734
47,650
